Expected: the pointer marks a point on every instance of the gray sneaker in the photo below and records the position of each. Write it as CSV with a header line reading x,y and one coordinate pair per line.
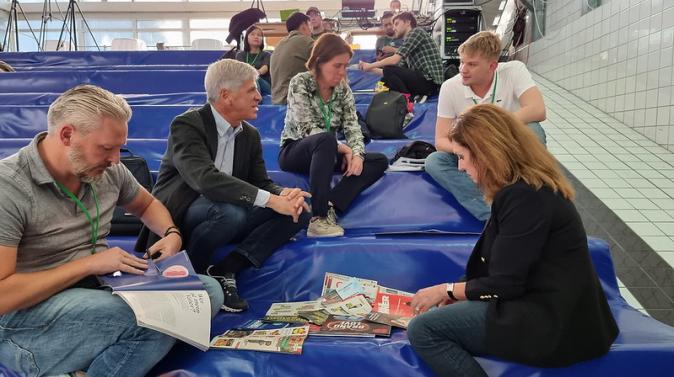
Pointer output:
x,y
324,227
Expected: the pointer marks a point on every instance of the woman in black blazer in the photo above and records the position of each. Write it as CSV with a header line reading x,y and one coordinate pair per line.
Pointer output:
x,y
530,293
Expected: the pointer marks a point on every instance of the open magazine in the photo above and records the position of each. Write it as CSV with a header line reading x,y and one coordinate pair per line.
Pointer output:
x,y
168,298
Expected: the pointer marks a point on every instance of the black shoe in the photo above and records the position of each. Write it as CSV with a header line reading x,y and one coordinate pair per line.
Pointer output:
x,y
233,303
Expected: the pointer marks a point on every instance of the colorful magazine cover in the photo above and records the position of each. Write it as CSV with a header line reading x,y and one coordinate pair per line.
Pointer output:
x,y
333,281
283,340
350,327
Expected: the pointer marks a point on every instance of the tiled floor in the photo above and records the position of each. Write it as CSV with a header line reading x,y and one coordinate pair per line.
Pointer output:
x,y
625,185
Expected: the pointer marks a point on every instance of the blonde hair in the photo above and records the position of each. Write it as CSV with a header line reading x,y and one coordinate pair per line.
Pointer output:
x,y
83,107
227,74
5,67
504,150
485,43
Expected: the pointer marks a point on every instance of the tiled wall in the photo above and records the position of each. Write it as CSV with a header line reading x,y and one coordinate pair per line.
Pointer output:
x,y
617,57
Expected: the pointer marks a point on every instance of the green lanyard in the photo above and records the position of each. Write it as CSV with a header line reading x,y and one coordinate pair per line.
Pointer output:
x,y
94,225
254,59
326,110
493,92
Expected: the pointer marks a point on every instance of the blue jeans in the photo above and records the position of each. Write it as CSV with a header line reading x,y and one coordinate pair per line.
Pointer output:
x,y
446,338
209,225
443,167
263,86
85,329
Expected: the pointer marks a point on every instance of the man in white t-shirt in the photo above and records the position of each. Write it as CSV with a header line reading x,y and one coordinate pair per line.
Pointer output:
x,y
481,79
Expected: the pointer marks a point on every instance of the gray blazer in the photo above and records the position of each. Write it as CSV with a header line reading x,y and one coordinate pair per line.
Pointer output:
x,y
188,170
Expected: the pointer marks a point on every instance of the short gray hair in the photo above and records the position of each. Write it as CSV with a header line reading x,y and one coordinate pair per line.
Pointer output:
x,y
83,106
228,74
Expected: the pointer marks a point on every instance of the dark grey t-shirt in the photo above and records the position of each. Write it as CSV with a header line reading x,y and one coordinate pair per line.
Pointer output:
x,y
45,225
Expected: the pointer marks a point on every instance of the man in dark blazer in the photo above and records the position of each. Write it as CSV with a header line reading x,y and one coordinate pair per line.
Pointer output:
x,y
214,182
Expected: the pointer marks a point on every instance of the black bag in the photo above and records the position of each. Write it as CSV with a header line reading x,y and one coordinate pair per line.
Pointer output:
x,y
386,115
125,223
417,150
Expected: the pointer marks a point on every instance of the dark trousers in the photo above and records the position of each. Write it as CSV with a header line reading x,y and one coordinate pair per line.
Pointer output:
x,y
405,80
259,231
317,155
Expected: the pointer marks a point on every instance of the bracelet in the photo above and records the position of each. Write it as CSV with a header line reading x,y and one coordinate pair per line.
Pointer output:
x,y
172,229
173,232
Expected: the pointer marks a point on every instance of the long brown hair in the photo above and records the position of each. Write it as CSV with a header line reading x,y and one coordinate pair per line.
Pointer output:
x,y
504,150
326,47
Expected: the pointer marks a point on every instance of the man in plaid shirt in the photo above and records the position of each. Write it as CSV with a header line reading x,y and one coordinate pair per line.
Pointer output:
x,y
416,68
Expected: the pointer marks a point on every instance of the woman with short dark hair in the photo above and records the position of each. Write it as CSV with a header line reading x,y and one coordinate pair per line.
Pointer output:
x,y
320,104
530,292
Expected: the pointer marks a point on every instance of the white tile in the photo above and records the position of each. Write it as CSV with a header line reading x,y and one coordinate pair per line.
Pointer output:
x,y
643,204
663,183
629,193
615,204
630,299
656,215
666,227
668,256
645,229
631,215
616,183
659,243
667,204
653,193
605,193
592,183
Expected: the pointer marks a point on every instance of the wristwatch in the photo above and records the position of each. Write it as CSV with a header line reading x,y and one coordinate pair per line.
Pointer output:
x,y
450,292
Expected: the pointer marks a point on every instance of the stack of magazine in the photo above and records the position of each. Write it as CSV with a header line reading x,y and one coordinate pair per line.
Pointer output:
x,y
348,306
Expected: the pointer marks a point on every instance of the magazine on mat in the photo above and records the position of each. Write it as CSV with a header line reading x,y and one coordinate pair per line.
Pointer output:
x,y
168,298
282,340
392,307
332,282
350,327
289,311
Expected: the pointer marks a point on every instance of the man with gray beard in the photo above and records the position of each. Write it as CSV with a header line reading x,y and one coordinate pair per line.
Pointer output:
x,y
56,204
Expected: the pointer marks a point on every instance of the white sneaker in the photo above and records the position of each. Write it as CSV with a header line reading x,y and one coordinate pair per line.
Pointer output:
x,y
324,227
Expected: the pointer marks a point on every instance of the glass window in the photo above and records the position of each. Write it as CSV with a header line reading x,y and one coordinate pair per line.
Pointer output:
x,y
589,5
212,34
160,24
104,38
168,38
109,24
209,23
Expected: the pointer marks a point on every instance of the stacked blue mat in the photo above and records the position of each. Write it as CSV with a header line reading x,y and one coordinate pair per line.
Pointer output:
x,y
404,231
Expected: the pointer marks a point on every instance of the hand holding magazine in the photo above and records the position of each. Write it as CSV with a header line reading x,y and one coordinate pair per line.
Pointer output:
x,y
168,298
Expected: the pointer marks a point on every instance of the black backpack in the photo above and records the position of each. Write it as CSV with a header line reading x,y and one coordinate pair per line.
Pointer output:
x,y
417,150
386,115
125,223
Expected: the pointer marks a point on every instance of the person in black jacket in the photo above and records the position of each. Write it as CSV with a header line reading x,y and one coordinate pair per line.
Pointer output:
x,y
214,182
530,293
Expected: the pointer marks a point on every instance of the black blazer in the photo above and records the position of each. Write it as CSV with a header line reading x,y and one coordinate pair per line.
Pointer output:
x,y
532,263
188,170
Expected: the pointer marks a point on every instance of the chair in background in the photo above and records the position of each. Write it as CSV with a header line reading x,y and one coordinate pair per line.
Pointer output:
x,y
128,44
207,44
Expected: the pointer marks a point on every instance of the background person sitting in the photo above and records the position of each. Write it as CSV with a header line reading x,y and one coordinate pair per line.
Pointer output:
x,y
214,182
253,53
387,44
531,294
290,56
481,79
315,22
320,103
416,67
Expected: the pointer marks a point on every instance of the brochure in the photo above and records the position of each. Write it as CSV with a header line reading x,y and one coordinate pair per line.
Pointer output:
x,y
283,340
168,298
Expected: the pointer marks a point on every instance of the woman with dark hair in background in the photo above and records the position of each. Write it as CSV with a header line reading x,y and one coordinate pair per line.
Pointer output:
x,y
530,292
253,53
320,103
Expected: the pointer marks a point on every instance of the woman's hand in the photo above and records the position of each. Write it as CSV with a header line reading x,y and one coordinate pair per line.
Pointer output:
x,y
429,297
355,167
